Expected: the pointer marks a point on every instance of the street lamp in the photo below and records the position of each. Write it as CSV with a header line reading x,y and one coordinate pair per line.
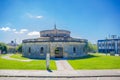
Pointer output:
x,y
48,58
106,46
15,45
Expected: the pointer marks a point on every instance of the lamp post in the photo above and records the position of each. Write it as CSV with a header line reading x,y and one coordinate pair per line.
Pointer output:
x,y
106,46
15,45
48,58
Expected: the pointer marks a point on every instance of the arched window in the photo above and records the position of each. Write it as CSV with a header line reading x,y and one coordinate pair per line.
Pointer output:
x,y
74,50
41,50
29,50
47,35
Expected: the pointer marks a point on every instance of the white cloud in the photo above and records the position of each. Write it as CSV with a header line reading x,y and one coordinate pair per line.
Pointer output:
x,y
13,30
38,17
5,29
34,33
21,31
18,34
33,16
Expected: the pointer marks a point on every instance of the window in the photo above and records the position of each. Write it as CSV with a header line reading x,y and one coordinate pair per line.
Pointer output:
x,y
46,34
74,50
41,50
29,50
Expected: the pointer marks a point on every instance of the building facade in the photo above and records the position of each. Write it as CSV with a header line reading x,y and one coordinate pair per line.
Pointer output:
x,y
12,47
109,46
58,43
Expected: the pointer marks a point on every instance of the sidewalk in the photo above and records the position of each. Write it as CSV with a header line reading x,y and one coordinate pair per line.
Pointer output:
x,y
63,65
61,74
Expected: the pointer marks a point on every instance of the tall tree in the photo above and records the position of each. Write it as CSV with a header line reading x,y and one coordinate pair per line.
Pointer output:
x,y
19,48
92,47
3,47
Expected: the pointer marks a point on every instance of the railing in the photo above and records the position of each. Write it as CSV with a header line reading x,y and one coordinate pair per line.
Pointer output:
x,y
53,40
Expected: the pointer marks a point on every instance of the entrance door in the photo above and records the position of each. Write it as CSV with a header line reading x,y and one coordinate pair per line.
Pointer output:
x,y
59,52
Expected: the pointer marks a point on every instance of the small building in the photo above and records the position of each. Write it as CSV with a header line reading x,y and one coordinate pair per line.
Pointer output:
x,y
57,42
111,45
12,47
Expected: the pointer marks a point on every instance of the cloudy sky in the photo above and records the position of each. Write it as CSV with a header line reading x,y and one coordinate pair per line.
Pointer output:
x,y
89,19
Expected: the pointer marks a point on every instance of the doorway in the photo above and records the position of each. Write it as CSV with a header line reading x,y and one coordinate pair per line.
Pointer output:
x,y
58,52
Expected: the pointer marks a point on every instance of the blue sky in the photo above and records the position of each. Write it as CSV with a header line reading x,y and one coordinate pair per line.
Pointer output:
x,y
88,19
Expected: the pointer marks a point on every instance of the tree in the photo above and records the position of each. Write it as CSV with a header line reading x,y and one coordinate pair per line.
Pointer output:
x,y
3,47
19,48
91,47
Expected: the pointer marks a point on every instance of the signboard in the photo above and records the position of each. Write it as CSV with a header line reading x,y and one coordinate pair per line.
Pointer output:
x,y
47,60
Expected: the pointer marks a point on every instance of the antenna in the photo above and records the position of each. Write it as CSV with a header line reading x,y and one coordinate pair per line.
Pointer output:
x,y
55,26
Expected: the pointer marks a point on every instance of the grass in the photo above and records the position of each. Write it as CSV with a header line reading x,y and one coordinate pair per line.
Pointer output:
x,y
96,61
18,56
92,61
32,65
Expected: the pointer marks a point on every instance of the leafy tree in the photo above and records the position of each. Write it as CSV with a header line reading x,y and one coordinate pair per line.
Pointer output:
x,y
3,47
91,47
19,48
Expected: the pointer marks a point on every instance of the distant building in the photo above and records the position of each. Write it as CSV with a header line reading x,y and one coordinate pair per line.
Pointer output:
x,y
11,47
13,44
57,42
111,45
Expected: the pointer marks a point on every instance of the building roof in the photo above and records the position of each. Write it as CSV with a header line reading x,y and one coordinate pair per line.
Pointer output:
x,y
55,35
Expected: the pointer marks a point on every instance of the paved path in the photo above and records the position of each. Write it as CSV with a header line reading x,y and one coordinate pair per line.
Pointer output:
x,y
63,65
60,74
37,78
7,56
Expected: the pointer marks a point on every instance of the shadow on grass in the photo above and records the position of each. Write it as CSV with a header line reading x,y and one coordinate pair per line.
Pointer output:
x,y
84,57
87,56
33,58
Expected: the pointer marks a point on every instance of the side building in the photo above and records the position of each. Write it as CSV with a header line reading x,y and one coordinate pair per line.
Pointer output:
x,y
109,46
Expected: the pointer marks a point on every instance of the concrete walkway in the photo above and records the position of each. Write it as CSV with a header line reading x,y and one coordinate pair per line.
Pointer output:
x,y
60,74
63,65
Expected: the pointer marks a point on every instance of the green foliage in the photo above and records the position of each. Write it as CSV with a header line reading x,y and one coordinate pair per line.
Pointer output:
x,y
20,65
19,48
96,61
91,47
3,47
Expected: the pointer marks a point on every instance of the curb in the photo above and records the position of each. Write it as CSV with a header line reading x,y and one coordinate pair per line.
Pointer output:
x,y
60,76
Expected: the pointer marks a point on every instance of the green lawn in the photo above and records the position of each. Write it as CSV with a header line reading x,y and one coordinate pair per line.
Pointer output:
x,y
32,65
18,56
96,61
